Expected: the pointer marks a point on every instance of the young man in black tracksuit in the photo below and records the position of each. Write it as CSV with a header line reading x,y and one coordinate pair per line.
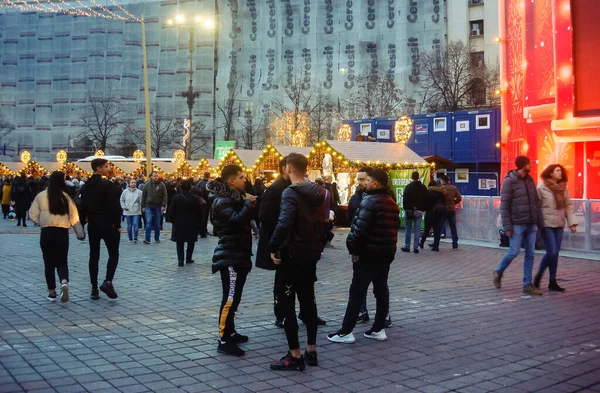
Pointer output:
x,y
231,212
372,244
101,209
296,247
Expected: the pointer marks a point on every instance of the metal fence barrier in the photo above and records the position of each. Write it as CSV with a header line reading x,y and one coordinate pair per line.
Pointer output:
x,y
478,218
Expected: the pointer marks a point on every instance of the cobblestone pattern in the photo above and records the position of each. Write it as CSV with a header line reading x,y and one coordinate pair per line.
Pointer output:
x,y
452,330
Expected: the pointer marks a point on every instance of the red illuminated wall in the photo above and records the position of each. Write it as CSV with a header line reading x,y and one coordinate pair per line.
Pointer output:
x,y
551,88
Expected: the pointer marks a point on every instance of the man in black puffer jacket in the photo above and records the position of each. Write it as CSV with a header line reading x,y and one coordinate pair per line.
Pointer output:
x,y
296,247
231,212
372,244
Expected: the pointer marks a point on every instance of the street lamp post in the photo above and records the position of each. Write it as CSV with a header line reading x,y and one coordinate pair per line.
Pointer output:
x,y
191,27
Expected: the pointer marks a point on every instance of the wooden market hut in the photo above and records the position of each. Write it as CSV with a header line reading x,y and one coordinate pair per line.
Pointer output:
x,y
32,168
246,159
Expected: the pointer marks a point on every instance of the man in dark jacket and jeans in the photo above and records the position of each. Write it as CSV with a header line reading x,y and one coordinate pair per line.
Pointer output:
x,y
414,202
231,212
521,212
101,209
296,247
372,244
268,214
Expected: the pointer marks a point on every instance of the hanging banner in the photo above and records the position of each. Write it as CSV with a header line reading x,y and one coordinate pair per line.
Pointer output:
x,y
222,147
401,178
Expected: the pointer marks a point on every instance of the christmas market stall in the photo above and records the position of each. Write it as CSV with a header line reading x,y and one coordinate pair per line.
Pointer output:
x,y
27,166
207,165
246,159
125,168
341,160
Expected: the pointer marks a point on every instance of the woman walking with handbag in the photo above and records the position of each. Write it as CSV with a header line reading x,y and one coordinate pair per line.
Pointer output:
x,y
55,212
557,209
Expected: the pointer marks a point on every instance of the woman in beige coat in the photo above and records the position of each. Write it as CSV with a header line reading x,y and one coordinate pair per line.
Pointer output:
x,y
557,210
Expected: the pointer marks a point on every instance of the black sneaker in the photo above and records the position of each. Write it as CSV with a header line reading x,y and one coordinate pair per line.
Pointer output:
x,y
95,294
362,317
157,241
279,323
51,297
416,251
310,358
146,241
537,281
109,290
238,338
289,363
180,263
405,249
555,287
64,293
230,348
190,261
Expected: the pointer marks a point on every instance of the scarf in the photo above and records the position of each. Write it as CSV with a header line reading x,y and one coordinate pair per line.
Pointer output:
x,y
559,192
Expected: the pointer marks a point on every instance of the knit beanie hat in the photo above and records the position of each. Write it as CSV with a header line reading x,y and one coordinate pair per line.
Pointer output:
x,y
521,162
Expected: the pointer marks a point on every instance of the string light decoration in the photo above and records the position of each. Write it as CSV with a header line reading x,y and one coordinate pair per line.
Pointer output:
x,y
179,156
66,7
344,133
99,154
138,155
403,129
291,128
61,157
25,157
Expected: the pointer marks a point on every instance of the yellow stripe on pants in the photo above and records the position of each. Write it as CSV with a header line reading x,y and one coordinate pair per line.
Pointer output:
x,y
227,306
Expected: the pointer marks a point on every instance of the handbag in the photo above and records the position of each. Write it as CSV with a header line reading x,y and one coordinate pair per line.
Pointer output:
x,y
79,231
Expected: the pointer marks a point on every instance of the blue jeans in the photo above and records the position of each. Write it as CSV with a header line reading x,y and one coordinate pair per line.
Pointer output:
x,y
521,233
133,226
153,215
552,240
416,221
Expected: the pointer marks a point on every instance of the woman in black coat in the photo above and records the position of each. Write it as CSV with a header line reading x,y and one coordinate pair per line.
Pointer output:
x,y
21,194
186,214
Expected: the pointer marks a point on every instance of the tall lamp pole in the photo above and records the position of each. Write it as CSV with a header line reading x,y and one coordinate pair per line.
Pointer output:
x,y
149,167
191,27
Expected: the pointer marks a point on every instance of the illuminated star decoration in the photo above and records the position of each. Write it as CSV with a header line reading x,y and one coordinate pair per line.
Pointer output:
x,y
25,157
138,155
61,157
179,156
403,129
99,154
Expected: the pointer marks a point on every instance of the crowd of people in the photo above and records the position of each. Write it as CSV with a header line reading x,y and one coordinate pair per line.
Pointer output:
x,y
292,217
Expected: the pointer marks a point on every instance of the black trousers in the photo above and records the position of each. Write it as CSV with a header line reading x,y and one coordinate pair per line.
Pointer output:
x,y
433,220
203,231
189,252
301,283
361,278
111,238
277,291
5,210
55,250
233,280
21,213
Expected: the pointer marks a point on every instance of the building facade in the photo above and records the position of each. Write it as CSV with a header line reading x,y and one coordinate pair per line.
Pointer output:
x,y
53,65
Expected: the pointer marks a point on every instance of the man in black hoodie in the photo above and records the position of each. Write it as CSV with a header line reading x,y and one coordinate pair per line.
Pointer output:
x,y
414,202
231,212
296,247
101,209
372,244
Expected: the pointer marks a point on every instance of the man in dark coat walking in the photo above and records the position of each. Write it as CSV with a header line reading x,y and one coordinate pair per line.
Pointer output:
x,y
231,212
185,213
21,195
203,230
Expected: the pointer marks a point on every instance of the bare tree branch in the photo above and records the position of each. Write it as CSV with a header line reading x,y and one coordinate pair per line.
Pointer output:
x,y
374,96
6,130
201,142
453,81
163,131
102,119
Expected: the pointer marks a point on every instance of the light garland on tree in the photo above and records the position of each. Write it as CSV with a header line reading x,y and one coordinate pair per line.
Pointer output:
x,y
344,133
403,129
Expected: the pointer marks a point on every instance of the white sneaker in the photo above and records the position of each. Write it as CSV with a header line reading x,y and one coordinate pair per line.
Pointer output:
x,y
379,336
341,338
64,293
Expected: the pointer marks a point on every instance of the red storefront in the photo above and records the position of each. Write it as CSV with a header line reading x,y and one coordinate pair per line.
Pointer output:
x,y
550,52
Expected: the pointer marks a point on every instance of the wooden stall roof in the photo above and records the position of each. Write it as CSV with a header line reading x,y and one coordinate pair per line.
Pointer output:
x,y
167,167
85,165
51,166
194,163
14,166
386,153
248,157
440,162
213,162
127,167
285,150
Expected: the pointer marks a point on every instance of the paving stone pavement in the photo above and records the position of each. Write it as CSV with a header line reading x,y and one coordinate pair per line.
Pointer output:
x,y
453,332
